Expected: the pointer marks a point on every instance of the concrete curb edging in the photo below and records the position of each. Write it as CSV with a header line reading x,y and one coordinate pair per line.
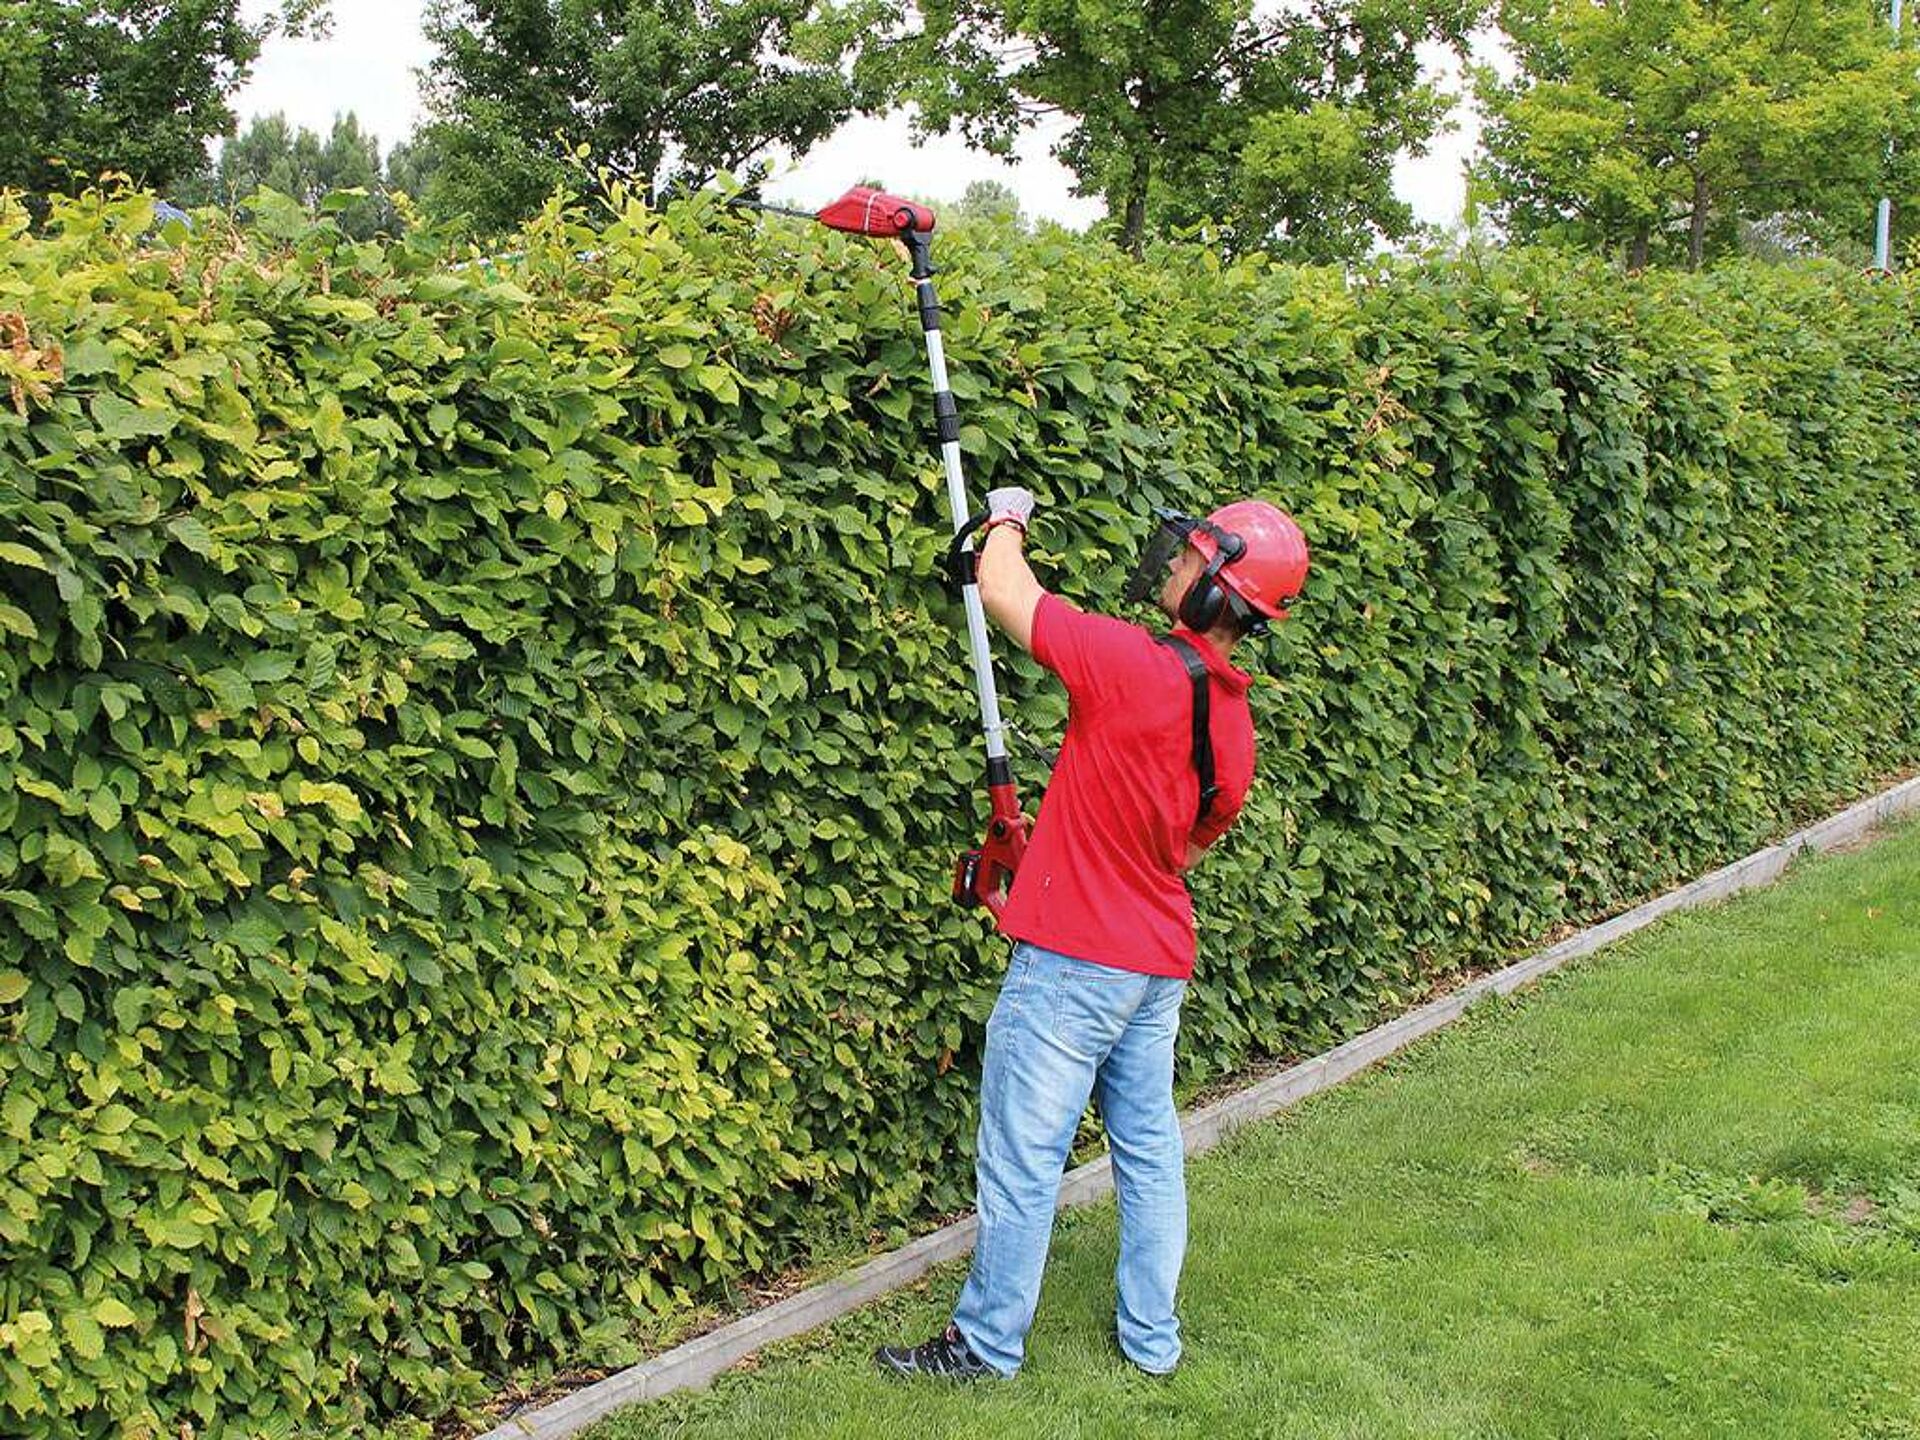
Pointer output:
x,y
697,1362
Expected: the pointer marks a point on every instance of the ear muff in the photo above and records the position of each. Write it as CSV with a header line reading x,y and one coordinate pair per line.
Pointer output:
x,y
1200,607
1206,598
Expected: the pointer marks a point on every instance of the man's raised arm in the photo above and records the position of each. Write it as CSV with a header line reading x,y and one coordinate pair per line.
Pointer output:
x,y
1008,589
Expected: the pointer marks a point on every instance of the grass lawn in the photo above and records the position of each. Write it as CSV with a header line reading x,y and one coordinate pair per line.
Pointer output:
x,y
1674,1191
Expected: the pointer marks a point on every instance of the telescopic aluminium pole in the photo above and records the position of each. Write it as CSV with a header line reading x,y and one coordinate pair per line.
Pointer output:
x,y
981,876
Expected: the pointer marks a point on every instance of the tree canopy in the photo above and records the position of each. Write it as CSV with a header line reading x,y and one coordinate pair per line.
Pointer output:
x,y
1278,127
272,154
124,85
988,202
524,93
1660,126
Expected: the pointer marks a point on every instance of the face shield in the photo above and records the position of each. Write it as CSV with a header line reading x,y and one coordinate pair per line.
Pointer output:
x,y
1157,556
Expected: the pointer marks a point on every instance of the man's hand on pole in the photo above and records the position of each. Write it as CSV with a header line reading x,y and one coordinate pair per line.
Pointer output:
x,y
1010,505
1008,588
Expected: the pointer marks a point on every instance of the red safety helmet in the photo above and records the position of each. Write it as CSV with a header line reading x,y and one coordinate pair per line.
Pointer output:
x,y
1271,567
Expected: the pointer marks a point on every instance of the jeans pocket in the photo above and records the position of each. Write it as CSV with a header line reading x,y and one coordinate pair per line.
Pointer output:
x,y
1092,1005
1161,1007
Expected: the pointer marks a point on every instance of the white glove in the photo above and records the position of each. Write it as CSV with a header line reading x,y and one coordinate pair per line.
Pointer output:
x,y
1010,505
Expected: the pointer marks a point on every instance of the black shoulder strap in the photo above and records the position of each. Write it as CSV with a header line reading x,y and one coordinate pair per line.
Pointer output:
x,y
1202,719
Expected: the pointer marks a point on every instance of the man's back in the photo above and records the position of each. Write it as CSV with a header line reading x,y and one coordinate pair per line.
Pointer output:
x,y
1102,877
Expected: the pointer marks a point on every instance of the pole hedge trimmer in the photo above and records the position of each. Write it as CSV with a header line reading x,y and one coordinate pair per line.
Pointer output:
x,y
982,875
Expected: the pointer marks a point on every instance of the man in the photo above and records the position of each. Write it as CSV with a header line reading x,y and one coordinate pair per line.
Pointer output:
x,y
1155,765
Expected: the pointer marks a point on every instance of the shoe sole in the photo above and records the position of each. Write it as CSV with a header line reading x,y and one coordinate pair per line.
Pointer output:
x,y
903,1372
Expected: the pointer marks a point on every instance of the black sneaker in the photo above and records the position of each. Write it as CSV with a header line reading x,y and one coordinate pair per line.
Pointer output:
x,y
944,1357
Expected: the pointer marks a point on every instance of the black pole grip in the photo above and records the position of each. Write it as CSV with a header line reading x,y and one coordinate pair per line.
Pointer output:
x,y
962,567
919,245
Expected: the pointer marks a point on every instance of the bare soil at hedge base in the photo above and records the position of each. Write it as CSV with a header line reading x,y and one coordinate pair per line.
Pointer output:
x,y
757,1292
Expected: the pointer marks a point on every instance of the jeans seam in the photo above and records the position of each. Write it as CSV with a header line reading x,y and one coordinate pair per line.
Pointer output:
x,y
1018,974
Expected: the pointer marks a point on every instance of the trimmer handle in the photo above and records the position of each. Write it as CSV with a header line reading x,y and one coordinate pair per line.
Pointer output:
x,y
985,876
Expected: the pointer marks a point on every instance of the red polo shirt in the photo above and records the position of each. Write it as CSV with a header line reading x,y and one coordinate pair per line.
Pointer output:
x,y
1101,879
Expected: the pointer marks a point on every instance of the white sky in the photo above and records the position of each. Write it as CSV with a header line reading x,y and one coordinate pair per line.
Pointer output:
x,y
367,64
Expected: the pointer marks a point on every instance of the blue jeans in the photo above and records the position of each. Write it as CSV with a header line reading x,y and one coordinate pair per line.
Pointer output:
x,y
1062,1029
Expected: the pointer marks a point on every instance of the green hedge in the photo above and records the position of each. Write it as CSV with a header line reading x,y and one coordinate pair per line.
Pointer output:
x,y
481,752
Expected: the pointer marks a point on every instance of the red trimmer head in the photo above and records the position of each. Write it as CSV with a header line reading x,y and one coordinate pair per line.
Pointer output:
x,y
866,211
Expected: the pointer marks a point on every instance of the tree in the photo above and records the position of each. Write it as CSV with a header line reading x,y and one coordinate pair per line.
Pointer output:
x,y
1660,126
526,93
270,154
413,163
1276,127
991,202
133,86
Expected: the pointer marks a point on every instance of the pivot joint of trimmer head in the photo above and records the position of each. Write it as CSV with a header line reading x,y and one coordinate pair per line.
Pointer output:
x,y
919,245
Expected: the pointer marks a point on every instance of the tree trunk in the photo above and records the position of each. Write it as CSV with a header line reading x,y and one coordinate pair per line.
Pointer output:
x,y
1697,231
1637,248
1133,230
